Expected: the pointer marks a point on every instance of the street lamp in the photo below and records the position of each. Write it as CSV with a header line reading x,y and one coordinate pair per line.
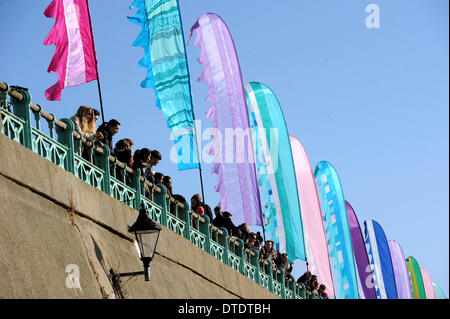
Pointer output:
x,y
147,234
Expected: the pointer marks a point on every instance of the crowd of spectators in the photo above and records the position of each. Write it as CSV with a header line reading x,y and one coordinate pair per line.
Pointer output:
x,y
312,284
144,160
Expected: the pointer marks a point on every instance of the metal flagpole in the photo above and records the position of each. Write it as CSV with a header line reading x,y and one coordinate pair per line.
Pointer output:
x,y
192,104
96,63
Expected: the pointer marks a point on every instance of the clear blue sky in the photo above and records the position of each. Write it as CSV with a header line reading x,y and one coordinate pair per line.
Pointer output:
x,y
373,102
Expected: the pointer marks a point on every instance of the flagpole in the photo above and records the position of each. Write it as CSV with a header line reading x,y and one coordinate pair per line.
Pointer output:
x,y
96,62
192,104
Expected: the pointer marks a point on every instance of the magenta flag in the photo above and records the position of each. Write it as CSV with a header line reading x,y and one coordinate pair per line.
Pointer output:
x,y
237,182
315,239
428,284
74,59
401,274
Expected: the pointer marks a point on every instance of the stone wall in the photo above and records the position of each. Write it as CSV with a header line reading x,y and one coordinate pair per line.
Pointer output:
x,y
52,222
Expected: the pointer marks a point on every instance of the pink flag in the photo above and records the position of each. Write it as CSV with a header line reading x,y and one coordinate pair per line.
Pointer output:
x,y
74,59
428,284
315,237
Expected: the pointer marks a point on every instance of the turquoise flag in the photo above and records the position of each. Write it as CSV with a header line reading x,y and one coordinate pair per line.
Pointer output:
x,y
276,171
162,39
337,228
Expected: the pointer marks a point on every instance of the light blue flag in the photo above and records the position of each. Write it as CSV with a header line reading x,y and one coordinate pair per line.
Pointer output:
x,y
276,170
337,229
438,291
162,39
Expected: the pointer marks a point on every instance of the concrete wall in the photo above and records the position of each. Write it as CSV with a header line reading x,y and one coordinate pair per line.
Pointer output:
x,y
50,220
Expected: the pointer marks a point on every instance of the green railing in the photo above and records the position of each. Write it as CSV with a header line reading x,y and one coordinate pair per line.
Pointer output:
x,y
58,142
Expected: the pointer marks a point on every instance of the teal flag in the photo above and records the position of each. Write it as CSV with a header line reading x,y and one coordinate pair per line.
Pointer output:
x,y
162,39
276,170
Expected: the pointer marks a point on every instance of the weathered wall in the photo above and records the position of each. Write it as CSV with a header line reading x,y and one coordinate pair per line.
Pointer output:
x,y
49,219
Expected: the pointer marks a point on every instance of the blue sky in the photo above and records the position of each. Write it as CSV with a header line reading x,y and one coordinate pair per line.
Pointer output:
x,y
373,102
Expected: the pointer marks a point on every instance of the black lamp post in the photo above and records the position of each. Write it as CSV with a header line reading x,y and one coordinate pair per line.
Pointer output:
x,y
147,234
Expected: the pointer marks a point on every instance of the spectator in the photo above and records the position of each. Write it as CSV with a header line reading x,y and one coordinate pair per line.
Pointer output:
x,y
231,228
123,151
140,163
208,211
244,232
252,242
140,160
282,263
96,114
167,181
305,279
266,251
159,178
84,122
196,201
322,292
313,284
259,238
219,221
155,157
109,129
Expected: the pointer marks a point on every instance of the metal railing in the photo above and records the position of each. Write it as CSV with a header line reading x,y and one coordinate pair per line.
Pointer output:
x,y
20,120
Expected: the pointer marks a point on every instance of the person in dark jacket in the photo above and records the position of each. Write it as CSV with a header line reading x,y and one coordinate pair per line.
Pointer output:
x,y
108,130
305,279
223,219
155,157
123,151
208,211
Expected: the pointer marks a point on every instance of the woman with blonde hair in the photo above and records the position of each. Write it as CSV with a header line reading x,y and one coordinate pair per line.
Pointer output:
x,y
84,121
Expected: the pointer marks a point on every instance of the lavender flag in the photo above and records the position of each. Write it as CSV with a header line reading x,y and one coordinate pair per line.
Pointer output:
x,y
237,182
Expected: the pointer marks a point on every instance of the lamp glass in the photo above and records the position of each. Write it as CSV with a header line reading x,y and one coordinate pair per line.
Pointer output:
x,y
147,240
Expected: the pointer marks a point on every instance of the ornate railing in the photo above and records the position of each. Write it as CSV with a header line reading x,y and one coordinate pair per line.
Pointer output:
x,y
58,142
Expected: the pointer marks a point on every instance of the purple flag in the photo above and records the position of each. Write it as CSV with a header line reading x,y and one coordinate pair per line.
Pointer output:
x,y
360,253
237,182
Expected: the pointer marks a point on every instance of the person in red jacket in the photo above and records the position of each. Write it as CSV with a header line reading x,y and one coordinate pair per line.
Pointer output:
x,y
196,206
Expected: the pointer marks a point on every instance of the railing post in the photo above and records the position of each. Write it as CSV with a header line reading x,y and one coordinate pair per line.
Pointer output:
x,y
281,279
291,285
254,260
160,199
4,104
22,109
65,137
239,251
102,162
223,240
136,183
186,217
204,229
269,272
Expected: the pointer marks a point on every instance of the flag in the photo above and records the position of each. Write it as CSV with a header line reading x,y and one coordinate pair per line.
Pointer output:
x,y
74,60
237,182
337,229
165,58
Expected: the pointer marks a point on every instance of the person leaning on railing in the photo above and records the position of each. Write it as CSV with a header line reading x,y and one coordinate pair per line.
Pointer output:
x,y
196,206
149,174
140,162
84,122
281,261
123,152
108,130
